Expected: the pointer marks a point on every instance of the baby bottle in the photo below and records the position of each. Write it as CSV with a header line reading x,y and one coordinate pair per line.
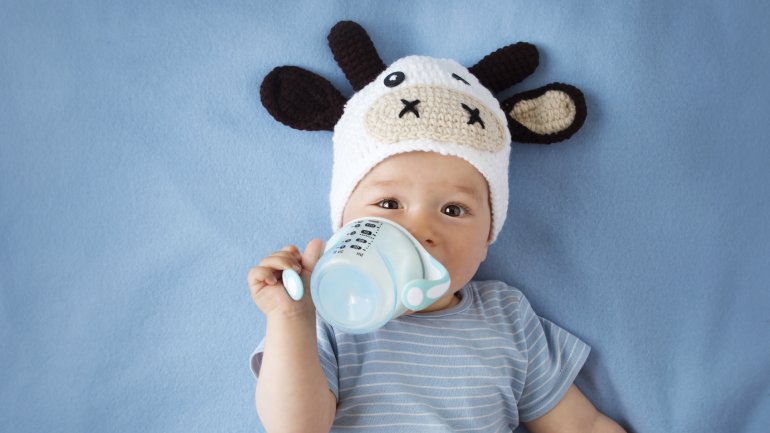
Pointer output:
x,y
372,270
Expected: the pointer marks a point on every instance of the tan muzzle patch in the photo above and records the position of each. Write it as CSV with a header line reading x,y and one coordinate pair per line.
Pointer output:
x,y
435,113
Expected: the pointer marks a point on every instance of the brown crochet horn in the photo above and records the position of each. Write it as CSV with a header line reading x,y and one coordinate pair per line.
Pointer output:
x,y
506,66
355,54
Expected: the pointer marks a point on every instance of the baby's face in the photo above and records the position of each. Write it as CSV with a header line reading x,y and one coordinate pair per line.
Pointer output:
x,y
443,201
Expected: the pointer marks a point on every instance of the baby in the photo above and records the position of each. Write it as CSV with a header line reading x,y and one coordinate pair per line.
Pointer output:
x,y
425,144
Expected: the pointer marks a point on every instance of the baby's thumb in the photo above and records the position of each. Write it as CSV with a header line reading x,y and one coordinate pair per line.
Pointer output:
x,y
312,253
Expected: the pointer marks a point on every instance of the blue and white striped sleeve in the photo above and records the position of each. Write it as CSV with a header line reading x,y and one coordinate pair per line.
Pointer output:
x,y
327,352
554,359
255,362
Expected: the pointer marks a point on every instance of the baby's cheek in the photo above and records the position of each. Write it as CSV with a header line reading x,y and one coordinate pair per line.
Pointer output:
x,y
460,275
464,270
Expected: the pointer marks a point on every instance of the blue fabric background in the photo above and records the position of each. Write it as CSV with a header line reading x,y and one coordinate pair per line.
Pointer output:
x,y
140,179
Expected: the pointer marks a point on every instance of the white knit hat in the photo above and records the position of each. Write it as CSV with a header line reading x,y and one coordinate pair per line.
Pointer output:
x,y
422,104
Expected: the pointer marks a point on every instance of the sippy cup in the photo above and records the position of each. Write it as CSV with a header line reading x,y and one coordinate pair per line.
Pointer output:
x,y
372,270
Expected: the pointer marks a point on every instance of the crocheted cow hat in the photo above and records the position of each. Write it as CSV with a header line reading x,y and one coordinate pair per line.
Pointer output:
x,y
421,103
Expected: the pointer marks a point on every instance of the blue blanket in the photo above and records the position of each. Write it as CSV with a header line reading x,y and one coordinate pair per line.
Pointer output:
x,y
140,179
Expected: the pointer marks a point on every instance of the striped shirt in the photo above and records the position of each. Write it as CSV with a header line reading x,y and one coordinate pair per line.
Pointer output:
x,y
482,366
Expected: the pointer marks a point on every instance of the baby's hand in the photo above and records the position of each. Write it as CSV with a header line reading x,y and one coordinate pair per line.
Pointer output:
x,y
267,290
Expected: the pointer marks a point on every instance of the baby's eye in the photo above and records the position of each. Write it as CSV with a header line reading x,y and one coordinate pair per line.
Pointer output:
x,y
454,210
388,203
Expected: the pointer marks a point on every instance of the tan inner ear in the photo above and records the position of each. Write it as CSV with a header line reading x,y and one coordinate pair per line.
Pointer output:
x,y
549,113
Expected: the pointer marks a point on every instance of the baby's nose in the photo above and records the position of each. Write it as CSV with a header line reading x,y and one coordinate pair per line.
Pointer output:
x,y
424,231
436,113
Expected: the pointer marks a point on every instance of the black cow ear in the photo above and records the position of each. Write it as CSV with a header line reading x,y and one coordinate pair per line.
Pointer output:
x,y
546,115
506,66
301,99
355,54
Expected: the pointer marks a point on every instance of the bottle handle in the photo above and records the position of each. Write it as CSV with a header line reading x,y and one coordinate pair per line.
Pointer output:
x,y
418,294
293,284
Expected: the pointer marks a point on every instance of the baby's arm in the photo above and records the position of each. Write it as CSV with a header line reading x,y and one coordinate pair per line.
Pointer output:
x,y
292,394
574,413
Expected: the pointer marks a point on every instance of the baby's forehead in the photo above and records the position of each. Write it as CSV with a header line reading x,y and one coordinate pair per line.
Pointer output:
x,y
447,172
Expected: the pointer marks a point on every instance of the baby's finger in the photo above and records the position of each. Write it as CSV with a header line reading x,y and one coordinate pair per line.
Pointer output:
x,y
286,253
280,263
313,251
260,276
293,250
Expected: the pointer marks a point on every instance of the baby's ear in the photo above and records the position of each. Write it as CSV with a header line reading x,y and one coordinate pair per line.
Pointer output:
x,y
301,99
546,115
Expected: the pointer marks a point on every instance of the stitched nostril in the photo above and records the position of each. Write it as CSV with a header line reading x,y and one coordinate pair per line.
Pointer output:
x,y
459,78
409,107
473,114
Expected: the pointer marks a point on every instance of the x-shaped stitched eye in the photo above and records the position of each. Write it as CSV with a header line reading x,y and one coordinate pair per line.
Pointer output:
x,y
409,106
474,115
